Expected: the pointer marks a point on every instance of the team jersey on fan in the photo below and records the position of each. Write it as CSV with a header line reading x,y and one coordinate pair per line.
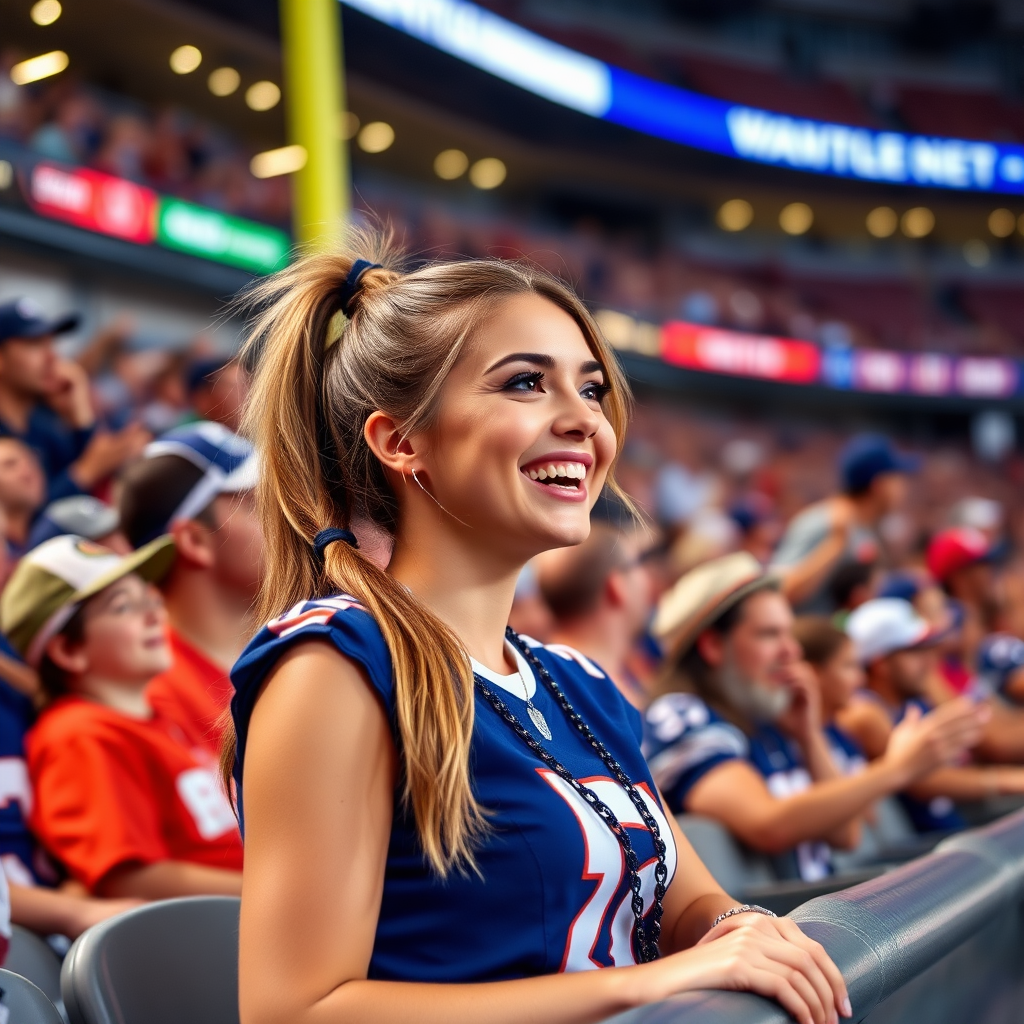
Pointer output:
x,y
553,893
112,790
684,740
1000,657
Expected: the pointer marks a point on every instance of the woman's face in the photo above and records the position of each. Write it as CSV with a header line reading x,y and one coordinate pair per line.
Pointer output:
x,y
521,446
840,678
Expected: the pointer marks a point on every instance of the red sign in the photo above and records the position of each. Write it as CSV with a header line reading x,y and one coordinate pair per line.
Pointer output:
x,y
742,355
95,201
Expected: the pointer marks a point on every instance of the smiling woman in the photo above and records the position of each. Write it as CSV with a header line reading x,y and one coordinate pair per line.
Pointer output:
x,y
412,773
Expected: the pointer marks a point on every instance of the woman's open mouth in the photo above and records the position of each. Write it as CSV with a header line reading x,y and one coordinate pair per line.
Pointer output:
x,y
562,473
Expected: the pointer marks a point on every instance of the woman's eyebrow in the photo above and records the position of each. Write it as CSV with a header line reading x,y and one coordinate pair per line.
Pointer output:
x,y
547,362
592,366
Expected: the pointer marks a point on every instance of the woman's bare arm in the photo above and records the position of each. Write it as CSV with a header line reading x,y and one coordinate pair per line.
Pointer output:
x,y
318,785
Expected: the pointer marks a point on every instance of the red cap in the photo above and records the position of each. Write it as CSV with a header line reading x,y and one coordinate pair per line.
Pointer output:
x,y
955,548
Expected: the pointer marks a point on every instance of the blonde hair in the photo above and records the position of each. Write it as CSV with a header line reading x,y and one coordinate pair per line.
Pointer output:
x,y
317,378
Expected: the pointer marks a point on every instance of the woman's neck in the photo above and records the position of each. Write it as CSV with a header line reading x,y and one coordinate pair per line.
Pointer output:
x,y
468,589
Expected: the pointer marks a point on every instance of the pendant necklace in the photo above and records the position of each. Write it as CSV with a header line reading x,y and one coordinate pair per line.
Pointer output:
x,y
534,712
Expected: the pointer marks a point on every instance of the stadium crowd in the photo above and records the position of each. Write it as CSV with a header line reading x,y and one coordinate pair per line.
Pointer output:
x,y
811,624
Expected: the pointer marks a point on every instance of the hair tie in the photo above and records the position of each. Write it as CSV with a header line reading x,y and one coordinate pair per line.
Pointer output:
x,y
329,536
347,292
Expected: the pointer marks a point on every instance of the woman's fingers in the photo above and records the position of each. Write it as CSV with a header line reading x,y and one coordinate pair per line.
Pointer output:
x,y
840,996
769,980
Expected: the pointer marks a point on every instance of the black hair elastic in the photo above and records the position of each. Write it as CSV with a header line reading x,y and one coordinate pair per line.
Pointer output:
x,y
329,536
347,292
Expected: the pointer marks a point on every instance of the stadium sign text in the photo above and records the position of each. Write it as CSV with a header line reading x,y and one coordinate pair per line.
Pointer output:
x,y
584,83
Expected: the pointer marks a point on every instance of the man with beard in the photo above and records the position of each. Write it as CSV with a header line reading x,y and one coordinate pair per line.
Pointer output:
x,y
737,734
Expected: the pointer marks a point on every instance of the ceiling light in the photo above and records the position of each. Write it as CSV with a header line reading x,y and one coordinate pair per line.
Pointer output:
x,y
882,221
1001,223
43,66
45,12
185,59
735,215
376,137
272,162
224,81
450,164
487,173
976,252
796,218
918,222
348,125
263,95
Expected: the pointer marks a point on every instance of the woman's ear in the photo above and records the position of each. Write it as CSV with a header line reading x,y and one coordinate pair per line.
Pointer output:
x,y
389,444
68,657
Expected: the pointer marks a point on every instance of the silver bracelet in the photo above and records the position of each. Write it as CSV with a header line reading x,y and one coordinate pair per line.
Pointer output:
x,y
747,908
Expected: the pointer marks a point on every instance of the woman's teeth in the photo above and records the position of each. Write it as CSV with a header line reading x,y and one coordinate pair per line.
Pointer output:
x,y
557,471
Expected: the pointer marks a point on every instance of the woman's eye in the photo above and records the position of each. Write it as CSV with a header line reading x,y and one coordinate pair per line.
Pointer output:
x,y
528,382
594,391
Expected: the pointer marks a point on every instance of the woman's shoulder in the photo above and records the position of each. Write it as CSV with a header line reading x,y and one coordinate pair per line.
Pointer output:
x,y
340,620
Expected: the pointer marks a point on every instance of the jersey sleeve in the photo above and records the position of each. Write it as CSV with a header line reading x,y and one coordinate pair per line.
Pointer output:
x,y
342,622
683,741
95,809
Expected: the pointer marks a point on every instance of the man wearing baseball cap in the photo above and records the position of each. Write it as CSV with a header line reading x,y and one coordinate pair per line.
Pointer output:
x,y
45,402
843,529
737,735
195,483
895,644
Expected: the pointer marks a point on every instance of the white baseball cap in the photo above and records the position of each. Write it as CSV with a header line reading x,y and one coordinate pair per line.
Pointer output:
x,y
885,625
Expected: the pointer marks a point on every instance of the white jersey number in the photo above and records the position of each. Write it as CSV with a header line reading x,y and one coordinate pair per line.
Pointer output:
x,y
606,865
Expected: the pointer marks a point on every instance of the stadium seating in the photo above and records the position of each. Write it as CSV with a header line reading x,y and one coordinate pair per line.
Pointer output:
x,y
30,957
25,1003
174,962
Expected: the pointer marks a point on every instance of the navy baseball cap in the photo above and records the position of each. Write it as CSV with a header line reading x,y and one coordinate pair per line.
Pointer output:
x,y
228,463
868,456
199,371
23,318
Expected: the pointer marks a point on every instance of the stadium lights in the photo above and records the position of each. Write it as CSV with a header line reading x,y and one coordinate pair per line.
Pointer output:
x,y
882,222
918,222
976,252
185,59
224,81
348,125
274,162
35,68
487,173
451,164
796,218
262,95
735,215
45,12
376,137
1001,223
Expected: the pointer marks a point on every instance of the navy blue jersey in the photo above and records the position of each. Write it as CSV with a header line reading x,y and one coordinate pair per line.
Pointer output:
x,y
1000,657
684,740
845,751
553,893
22,860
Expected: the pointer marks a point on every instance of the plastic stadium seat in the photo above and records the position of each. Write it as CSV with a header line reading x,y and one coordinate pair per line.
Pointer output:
x,y
734,867
33,959
25,1003
173,962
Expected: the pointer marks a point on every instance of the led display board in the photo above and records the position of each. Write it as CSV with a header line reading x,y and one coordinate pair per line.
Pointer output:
x,y
583,83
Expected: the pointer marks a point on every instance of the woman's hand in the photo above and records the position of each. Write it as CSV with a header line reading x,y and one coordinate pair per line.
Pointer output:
x,y
769,956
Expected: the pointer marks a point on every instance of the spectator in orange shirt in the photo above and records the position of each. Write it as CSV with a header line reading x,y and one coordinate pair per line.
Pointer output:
x,y
121,798
195,482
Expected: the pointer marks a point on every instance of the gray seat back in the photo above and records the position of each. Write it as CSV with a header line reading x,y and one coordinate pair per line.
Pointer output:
x,y
24,1002
32,958
734,867
164,963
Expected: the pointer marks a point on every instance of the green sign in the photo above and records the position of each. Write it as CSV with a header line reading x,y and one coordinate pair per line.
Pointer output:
x,y
217,236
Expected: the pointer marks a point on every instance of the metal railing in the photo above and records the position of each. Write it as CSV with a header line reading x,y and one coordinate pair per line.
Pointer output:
x,y
940,940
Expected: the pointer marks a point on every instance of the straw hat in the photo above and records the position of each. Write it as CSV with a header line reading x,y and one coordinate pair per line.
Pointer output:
x,y
703,595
